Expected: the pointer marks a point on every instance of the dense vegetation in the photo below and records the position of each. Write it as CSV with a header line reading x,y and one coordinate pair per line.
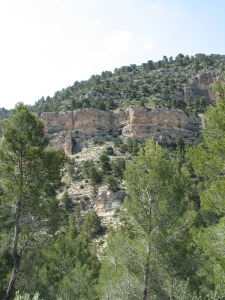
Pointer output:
x,y
170,242
4,113
151,84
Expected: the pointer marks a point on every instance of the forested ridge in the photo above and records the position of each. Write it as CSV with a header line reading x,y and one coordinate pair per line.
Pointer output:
x,y
152,83
169,238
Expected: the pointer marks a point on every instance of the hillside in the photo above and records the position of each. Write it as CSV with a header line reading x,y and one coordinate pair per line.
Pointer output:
x,y
159,100
135,209
183,82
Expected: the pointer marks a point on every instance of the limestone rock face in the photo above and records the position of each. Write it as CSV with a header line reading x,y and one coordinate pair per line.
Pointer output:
x,y
159,117
201,86
161,124
92,119
107,202
69,130
57,122
61,140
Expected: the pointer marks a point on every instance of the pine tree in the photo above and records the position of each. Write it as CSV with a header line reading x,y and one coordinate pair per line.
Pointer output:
x,y
29,173
208,160
149,247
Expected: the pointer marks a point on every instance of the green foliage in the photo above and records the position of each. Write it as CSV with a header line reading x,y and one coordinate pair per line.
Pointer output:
x,y
91,224
150,247
91,172
104,161
163,80
95,176
70,168
67,201
109,151
118,167
26,297
208,160
79,284
170,242
29,174
211,272
131,146
177,103
112,182
6,261
4,113
64,266
99,142
87,165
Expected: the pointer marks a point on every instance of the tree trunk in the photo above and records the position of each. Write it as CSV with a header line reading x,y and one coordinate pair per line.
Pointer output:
x,y
13,279
146,275
16,257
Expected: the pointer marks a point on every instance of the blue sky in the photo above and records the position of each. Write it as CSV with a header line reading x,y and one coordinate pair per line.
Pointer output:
x,y
47,45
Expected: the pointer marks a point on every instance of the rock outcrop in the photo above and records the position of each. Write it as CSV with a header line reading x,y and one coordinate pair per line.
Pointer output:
x,y
69,130
201,86
108,201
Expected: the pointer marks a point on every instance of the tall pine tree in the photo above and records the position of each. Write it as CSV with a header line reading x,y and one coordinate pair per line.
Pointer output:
x,y
150,247
208,160
29,172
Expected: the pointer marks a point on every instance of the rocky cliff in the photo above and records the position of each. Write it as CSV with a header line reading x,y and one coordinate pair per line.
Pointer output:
x,y
201,86
71,129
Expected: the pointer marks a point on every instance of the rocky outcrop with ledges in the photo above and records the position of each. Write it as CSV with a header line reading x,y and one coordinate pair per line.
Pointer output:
x,y
68,130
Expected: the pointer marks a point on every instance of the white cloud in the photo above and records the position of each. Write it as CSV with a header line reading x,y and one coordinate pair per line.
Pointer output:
x,y
157,8
113,49
116,44
147,44
77,45
176,12
95,24
119,42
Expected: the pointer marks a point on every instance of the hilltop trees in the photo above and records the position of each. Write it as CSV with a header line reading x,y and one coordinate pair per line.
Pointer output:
x,y
29,173
152,83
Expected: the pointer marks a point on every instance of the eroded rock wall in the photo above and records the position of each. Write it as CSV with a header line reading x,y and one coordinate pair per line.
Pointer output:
x,y
201,86
68,130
